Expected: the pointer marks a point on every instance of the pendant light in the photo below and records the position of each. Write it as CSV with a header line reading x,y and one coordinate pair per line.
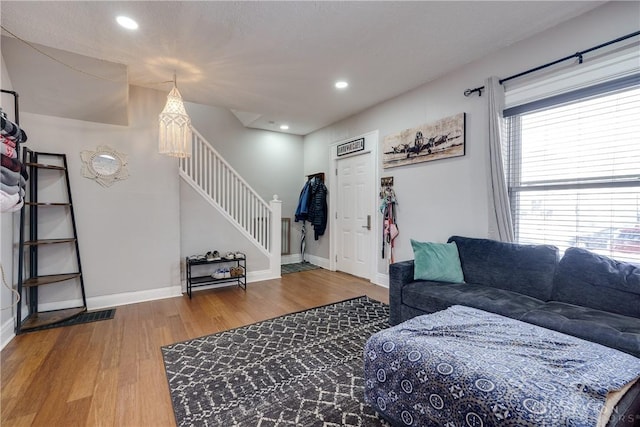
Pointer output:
x,y
175,126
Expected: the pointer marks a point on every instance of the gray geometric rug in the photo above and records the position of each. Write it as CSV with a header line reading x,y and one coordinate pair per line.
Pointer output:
x,y
297,267
300,369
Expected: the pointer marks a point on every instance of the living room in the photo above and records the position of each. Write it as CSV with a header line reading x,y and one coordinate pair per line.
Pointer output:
x,y
135,234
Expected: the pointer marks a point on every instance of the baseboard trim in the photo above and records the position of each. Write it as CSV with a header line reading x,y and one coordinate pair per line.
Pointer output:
x,y
316,260
296,258
7,333
291,259
261,275
126,298
114,300
381,279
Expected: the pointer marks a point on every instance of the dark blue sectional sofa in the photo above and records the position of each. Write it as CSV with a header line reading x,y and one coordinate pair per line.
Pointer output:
x,y
583,294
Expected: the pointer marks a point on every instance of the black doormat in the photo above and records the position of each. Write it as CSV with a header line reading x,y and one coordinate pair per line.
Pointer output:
x,y
86,317
297,267
300,369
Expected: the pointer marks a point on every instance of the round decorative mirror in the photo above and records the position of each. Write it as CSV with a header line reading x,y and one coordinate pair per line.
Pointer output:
x,y
105,165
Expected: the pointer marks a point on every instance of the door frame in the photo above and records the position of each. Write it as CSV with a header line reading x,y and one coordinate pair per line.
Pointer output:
x,y
371,147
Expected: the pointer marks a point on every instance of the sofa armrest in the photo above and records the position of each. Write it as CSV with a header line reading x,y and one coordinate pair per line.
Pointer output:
x,y
400,274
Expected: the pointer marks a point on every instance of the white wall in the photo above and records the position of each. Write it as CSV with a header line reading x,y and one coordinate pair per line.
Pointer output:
x,y
271,162
446,197
204,229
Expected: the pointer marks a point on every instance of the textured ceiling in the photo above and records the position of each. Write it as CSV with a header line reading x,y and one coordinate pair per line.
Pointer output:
x,y
275,62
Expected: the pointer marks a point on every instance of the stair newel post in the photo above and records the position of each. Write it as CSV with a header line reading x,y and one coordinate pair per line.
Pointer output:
x,y
275,246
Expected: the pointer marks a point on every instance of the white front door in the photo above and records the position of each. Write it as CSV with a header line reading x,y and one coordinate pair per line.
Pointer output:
x,y
354,215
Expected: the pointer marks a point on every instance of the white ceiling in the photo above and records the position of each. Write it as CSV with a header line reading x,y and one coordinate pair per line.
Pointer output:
x,y
276,62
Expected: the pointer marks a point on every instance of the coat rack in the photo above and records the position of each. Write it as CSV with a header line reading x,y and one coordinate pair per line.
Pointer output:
x,y
303,231
388,210
319,175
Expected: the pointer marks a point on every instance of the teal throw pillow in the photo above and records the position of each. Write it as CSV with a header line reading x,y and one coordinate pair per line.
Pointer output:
x,y
438,262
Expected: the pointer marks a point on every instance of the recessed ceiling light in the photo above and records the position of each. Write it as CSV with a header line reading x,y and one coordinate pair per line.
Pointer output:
x,y
342,84
127,22
284,127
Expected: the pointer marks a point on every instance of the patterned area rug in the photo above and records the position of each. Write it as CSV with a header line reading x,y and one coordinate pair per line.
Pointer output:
x,y
297,267
301,369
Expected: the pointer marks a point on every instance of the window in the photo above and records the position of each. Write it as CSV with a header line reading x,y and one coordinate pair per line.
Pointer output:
x,y
573,170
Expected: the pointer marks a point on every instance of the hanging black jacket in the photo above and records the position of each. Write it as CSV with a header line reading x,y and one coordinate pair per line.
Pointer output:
x,y
318,207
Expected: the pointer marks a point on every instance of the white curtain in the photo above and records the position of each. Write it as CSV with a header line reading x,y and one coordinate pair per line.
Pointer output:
x,y
500,224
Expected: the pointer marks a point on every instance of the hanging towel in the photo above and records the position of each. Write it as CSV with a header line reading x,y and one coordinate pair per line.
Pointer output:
x,y
12,130
7,141
12,178
10,202
14,165
8,150
12,189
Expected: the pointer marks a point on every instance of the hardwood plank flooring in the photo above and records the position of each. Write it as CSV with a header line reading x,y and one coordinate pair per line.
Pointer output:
x,y
110,373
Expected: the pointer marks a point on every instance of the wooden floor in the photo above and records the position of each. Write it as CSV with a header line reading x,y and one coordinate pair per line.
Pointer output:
x,y
110,373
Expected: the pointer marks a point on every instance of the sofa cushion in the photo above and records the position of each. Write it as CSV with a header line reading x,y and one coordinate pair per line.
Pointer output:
x,y
525,269
430,297
437,261
610,329
591,280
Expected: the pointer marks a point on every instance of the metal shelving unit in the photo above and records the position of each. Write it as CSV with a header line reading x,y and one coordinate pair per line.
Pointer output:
x,y
29,278
205,280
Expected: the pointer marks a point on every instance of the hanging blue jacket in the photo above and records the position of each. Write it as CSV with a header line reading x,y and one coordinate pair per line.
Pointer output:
x,y
302,212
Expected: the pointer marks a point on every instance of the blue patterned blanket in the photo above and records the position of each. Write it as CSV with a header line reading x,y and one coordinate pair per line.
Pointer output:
x,y
466,367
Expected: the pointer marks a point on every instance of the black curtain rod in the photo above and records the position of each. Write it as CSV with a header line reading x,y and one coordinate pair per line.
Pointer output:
x,y
15,103
578,55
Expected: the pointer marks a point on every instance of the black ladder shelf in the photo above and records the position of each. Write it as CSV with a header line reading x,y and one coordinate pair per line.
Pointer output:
x,y
28,266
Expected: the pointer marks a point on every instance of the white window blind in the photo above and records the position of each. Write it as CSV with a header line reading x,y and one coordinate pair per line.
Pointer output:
x,y
573,172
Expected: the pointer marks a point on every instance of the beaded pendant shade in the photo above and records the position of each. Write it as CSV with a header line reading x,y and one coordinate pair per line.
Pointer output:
x,y
175,126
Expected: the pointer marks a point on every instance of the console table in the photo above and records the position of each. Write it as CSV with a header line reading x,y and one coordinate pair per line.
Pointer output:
x,y
201,279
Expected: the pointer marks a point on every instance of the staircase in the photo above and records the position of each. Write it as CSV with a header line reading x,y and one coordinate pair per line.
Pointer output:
x,y
219,184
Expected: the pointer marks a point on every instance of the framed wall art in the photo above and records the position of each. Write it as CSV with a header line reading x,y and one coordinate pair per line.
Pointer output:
x,y
442,139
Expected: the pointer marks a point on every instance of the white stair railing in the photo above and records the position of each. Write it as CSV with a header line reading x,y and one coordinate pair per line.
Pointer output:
x,y
211,176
